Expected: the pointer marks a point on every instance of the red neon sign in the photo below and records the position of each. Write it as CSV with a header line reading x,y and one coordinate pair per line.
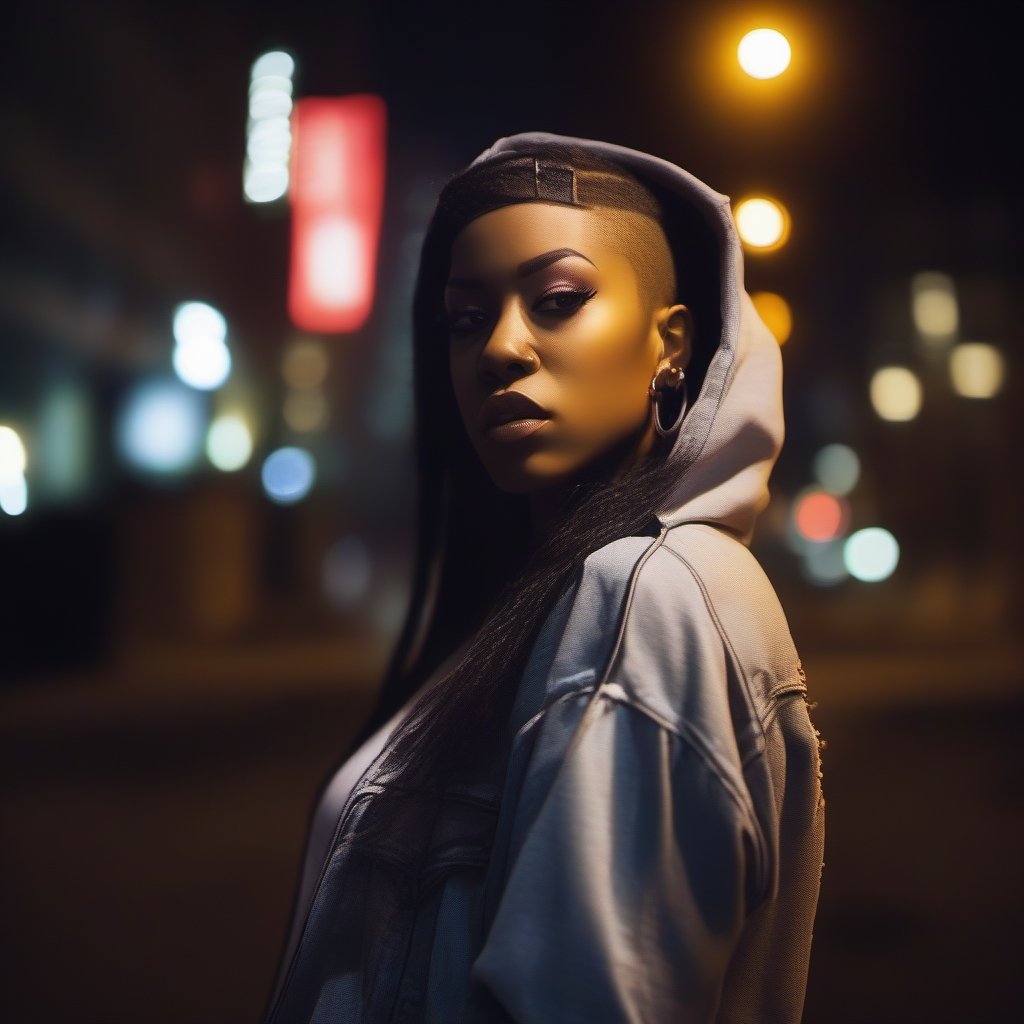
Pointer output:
x,y
337,199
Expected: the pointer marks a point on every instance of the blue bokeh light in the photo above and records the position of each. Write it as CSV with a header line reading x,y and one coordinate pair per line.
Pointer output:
x,y
288,475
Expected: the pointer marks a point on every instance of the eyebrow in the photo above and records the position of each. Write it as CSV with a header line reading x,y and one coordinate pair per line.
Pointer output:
x,y
530,266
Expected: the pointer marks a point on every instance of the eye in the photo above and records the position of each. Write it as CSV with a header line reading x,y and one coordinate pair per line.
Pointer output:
x,y
565,301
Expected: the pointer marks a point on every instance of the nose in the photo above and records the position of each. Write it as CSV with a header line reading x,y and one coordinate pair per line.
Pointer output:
x,y
508,354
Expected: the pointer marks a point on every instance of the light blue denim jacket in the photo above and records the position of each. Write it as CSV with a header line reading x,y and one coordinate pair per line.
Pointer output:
x,y
651,848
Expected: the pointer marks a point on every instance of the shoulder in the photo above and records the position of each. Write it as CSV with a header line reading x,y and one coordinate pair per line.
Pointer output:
x,y
701,638
742,603
579,633
638,663
686,626
692,567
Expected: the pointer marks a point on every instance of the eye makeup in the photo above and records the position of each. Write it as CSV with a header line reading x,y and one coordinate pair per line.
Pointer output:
x,y
561,300
524,269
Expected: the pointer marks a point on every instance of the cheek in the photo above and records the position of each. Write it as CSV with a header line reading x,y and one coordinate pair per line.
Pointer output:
x,y
608,362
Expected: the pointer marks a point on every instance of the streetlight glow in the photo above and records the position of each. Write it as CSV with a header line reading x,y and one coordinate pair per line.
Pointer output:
x,y
762,223
229,442
775,312
288,474
12,455
976,369
896,393
934,307
837,468
871,555
764,53
265,172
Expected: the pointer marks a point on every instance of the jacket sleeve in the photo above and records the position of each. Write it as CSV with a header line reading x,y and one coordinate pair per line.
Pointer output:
x,y
624,888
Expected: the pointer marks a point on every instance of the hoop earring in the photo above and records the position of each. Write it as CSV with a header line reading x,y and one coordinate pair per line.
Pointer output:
x,y
676,384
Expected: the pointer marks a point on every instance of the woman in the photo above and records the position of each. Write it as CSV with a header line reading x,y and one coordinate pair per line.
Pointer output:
x,y
590,790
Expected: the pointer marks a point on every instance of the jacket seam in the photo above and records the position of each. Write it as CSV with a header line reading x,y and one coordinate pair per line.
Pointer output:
x,y
777,697
617,695
396,1010
748,812
726,640
627,604
529,725
693,740
759,750
583,723
602,678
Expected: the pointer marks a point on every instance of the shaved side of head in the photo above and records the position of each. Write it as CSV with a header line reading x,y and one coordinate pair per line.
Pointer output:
x,y
642,241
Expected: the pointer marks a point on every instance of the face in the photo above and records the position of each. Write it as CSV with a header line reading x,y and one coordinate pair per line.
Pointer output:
x,y
552,345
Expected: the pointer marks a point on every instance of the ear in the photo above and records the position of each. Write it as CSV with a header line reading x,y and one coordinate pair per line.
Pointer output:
x,y
675,325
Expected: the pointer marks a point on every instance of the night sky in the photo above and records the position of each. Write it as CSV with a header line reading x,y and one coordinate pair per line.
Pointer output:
x,y
891,140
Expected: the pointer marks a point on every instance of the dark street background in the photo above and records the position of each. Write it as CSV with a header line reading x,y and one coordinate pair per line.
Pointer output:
x,y
150,874
183,657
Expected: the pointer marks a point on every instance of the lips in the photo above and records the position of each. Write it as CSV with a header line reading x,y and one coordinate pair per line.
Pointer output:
x,y
509,407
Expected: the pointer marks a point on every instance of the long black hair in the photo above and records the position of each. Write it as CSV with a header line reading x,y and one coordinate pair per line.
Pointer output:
x,y
476,574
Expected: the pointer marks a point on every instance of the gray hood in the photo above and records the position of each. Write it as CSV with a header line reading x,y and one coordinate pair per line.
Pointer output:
x,y
732,434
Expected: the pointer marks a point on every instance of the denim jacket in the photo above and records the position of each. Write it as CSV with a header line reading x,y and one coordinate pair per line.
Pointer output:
x,y
649,847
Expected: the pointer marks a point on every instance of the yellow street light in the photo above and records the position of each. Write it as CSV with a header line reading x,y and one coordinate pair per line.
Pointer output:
x,y
896,393
764,53
775,312
763,223
976,369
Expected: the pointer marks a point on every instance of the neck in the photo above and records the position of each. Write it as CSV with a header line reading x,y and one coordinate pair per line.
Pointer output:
x,y
547,506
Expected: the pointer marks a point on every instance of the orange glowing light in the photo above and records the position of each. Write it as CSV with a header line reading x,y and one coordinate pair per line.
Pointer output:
x,y
820,517
775,312
764,53
337,198
763,224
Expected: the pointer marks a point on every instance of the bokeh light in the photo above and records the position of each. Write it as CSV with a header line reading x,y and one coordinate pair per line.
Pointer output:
x,y
229,442
895,393
935,309
264,184
823,564
160,427
336,260
775,312
976,369
337,198
305,411
12,455
273,62
288,475
764,53
270,96
201,359
305,363
819,516
837,468
265,172
203,364
762,223
13,460
871,554
347,570
269,142
65,440
198,321
14,496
